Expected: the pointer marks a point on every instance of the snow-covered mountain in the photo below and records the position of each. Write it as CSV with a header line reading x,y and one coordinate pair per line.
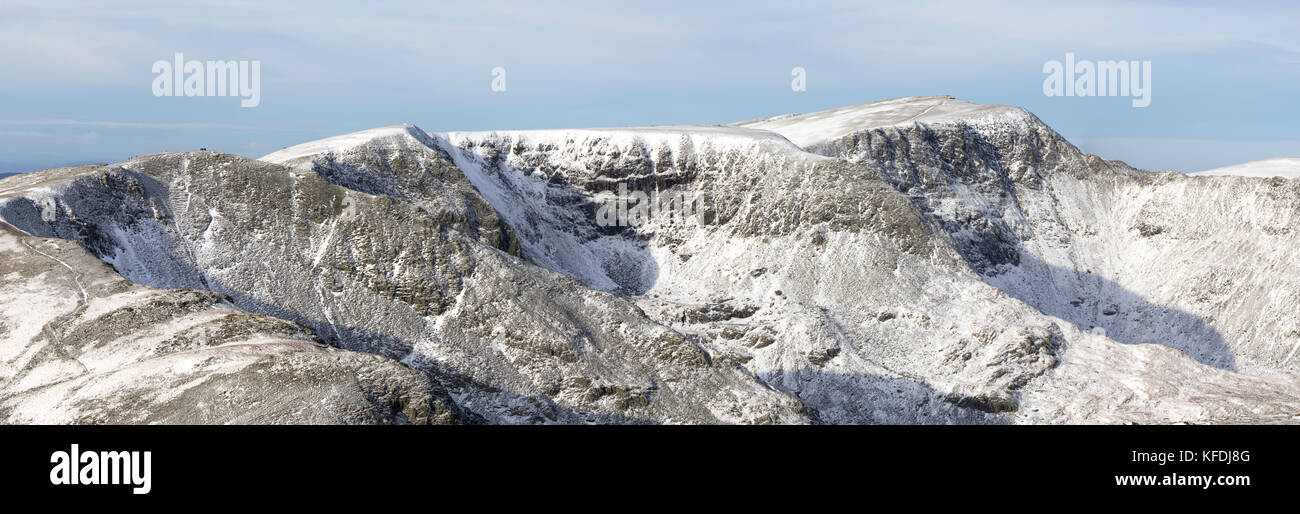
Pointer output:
x,y
1281,168
917,260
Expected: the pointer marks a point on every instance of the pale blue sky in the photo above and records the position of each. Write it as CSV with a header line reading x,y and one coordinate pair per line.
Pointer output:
x,y
77,75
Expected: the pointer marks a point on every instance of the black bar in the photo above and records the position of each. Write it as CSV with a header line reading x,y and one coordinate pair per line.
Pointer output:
x,y
517,463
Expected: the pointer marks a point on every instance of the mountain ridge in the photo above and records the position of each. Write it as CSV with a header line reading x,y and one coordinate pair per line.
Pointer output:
x,y
920,266
1282,167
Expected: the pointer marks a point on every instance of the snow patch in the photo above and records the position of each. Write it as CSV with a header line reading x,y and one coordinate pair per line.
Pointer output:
x,y
337,144
808,130
1282,167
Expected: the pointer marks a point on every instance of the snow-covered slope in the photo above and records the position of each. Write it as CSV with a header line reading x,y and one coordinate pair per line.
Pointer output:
x,y
414,270
1201,265
545,183
969,171
338,144
918,260
1281,167
811,130
78,344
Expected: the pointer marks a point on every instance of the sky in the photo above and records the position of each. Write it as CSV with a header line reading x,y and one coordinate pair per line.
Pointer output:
x,y
78,81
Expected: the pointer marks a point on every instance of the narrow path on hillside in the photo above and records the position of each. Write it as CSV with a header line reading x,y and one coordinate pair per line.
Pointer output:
x,y
52,328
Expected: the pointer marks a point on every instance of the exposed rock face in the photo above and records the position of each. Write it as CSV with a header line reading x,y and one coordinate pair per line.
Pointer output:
x,y
82,345
920,260
417,278
1198,264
